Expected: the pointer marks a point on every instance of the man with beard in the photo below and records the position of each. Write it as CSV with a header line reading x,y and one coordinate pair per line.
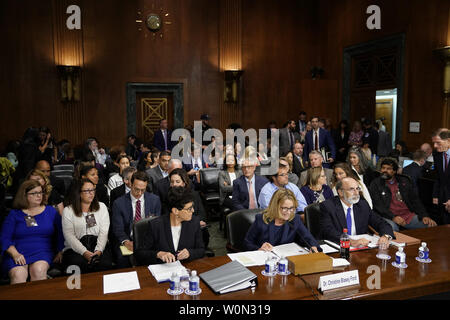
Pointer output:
x,y
349,211
395,199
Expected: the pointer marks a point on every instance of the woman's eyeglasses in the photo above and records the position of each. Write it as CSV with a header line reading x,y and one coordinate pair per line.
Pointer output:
x,y
286,209
36,194
88,191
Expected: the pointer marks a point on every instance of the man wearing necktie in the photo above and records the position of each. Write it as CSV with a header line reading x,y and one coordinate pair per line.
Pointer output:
x,y
441,189
349,211
318,139
162,137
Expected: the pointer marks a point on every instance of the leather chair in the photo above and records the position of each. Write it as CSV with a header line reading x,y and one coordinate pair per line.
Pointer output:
x,y
60,173
238,223
66,167
209,187
140,228
312,220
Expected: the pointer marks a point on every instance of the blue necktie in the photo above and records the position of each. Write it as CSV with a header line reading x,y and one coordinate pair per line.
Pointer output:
x,y
349,221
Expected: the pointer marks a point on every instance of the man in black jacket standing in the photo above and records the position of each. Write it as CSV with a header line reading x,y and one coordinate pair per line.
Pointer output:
x,y
395,199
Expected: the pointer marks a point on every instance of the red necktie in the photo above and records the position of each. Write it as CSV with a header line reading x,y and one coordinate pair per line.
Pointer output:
x,y
316,143
138,211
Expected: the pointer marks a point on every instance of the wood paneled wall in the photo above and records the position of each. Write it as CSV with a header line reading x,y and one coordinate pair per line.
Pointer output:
x,y
275,42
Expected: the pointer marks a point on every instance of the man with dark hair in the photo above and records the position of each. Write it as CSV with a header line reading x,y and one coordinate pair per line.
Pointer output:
x,y
414,170
395,198
162,138
160,171
288,137
320,140
56,182
370,136
131,149
128,209
301,123
125,187
441,189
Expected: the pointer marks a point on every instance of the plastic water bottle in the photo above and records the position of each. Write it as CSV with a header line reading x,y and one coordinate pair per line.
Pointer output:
x,y
194,282
424,252
283,265
269,266
345,245
400,259
174,282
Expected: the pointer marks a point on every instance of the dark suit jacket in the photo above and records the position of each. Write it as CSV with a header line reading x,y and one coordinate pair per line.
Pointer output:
x,y
116,193
333,222
441,189
325,141
226,190
58,184
158,140
240,191
381,197
414,171
384,144
122,214
340,143
154,175
260,232
159,238
298,167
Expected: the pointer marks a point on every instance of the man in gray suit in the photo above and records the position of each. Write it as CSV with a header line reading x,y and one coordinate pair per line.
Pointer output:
x,y
160,171
288,136
315,160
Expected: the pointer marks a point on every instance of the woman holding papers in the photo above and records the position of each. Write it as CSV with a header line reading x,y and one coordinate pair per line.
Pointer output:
x,y
279,224
174,236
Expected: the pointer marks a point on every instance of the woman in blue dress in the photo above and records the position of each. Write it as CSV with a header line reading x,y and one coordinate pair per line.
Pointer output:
x,y
315,189
28,233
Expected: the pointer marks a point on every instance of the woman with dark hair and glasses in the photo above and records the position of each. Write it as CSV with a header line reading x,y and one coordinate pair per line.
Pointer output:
x,y
279,224
174,236
86,225
28,233
226,179
360,166
91,173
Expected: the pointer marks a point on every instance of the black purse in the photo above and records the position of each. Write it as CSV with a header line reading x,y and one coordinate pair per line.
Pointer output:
x,y
89,241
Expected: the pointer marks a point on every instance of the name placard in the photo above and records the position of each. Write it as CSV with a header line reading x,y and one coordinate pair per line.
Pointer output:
x,y
339,280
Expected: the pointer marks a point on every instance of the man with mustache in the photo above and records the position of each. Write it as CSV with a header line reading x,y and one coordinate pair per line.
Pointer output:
x,y
349,211
395,199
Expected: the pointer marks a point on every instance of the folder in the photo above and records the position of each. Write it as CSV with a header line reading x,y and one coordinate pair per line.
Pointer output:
x,y
230,277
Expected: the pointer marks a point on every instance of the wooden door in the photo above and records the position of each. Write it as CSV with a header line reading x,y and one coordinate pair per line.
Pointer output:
x,y
150,109
384,110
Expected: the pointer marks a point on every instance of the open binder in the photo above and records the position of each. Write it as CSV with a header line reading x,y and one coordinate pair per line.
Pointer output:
x,y
230,277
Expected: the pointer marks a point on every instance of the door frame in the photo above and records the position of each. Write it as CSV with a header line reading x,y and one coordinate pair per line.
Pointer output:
x,y
399,41
176,89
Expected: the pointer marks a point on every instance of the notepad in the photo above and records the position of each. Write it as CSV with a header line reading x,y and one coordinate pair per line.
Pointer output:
x,y
289,249
120,282
251,258
163,272
125,251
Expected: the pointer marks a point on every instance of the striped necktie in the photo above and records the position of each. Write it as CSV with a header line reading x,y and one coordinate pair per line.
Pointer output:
x,y
137,217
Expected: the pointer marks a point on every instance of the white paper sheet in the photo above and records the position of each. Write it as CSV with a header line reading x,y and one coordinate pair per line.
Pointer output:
x,y
251,258
339,262
119,282
328,249
162,272
289,249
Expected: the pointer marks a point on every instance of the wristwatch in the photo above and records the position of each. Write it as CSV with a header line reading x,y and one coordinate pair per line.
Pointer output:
x,y
387,236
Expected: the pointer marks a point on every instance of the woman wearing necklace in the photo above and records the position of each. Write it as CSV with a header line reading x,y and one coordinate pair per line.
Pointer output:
x,y
28,233
173,236
316,190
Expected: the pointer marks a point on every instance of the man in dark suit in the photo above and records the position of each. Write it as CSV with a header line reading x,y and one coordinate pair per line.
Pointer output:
x,y
441,189
160,171
415,170
384,146
125,187
349,211
128,209
242,198
56,182
298,164
162,138
370,136
288,136
300,125
319,139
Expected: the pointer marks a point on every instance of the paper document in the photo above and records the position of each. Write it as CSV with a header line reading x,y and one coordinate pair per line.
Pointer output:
x,y
289,249
125,251
163,272
251,258
119,282
339,262
328,249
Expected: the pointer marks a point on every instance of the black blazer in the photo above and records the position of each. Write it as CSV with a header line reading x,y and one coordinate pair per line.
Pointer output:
x,y
414,171
240,191
116,193
441,189
159,238
298,167
333,222
158,140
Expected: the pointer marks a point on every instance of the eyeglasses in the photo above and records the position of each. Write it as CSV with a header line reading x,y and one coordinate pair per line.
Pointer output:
x,y
88,191
137,190
282,174
358,189
191,208
286,209
35,194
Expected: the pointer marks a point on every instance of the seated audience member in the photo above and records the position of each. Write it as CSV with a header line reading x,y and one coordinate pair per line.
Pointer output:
x,y
414,170
263,158
128,209
342,170
396,200
173,236
65,152
56,182
91,173
160,171
246,188
155,158
47,146
279,181
28,233
145,161
441,188
349,211
315,161
116,179
91,147
163,185
315,190
51,196
111,164
360,166
85,225
194,164
131,149
279,224
426,147
371,158
298,165
125,187
293,178
226,181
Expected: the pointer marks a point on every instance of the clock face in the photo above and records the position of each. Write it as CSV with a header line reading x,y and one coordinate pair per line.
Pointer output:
x,y
153,22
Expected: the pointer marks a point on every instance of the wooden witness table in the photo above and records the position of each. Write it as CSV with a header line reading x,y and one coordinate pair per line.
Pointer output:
x,y
415,281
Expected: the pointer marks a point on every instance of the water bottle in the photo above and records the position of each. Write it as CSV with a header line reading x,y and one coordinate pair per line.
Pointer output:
x,y
270,266
194,282
345,245
174,282
400,258
424,252
283,265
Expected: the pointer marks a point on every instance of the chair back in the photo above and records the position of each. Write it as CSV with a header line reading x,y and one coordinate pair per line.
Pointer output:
x,y
238,223
59,173
68,167
312,219
140,228
209,180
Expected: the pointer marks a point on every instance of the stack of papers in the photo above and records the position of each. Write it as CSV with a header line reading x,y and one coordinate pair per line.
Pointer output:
x,y
339,262
119,282
163,272
289,249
